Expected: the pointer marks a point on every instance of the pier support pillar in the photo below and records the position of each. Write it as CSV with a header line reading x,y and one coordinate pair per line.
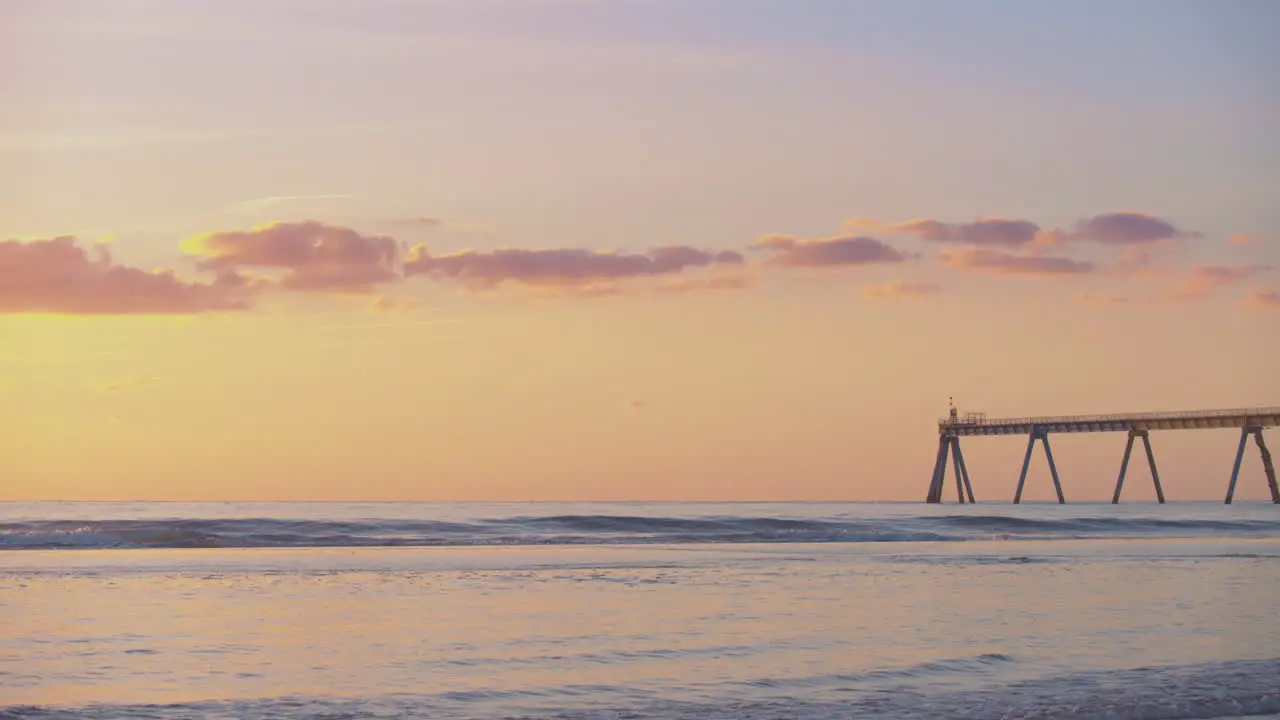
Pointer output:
x,y
949,444
1267,466
1026,462
1151,462
1053,468
1043,436
955,462
1124,467
939,471
962,470
1235,469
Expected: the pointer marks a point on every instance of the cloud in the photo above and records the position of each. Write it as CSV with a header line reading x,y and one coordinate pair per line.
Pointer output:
x,y
592,290
1267,298
1100,300
435,222
900,290
1118,228
267,203
389,304
1244,238
989,232
566,267
1123,228
795,252
1136,262
423,221
694,284
1203,280
57,276
315,257
1003,263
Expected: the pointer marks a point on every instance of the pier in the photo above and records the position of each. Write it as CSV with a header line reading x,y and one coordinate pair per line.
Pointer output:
x,y
1250,422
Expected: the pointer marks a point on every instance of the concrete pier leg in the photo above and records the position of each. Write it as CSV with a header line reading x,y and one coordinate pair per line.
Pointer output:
x,y
933,479
955,462
1151,460
1235,470
1053,469
939,471
1267,466
964,469
1026,461
1124,467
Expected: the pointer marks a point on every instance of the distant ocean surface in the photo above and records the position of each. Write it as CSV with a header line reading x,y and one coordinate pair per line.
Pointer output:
x,y
639,610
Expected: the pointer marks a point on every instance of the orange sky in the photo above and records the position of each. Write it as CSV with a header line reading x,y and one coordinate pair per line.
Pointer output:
x,y
604,256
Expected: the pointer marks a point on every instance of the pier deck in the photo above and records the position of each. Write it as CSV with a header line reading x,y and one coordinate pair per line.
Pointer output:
x,y
978,424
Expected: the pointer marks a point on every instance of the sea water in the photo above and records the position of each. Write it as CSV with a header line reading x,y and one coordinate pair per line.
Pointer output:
x,y
638,610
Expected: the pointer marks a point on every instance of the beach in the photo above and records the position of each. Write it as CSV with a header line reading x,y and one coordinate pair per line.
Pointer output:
x,y
635,610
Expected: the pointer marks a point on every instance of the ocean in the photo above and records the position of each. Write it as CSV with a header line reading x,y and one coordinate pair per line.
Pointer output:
x,y
638,610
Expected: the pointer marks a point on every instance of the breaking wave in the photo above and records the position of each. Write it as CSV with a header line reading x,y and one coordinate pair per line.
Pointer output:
x,y
591,529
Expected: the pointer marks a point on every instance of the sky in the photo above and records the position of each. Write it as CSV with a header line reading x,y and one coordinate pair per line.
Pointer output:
x,y
398,250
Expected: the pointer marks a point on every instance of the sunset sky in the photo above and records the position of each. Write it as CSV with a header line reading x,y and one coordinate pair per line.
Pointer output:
x,y
627,249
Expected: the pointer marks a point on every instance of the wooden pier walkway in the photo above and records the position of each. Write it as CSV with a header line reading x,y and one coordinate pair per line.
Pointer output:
x,y
1251,421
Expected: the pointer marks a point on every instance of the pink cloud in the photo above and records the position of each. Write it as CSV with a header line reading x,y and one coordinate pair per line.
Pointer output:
x,y
1123,228
989,232
315,257
57,276
559,267
795,252
1119,228
1003,263
900,290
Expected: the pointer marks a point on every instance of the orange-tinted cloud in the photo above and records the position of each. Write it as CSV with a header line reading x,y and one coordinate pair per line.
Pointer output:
x,y
989,232
559,267
900,290
1003,263
389,304
314,256
795,252
1137,262
590,290
1263,297
1244,238
57,276
694,284
1098,299
1202,280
